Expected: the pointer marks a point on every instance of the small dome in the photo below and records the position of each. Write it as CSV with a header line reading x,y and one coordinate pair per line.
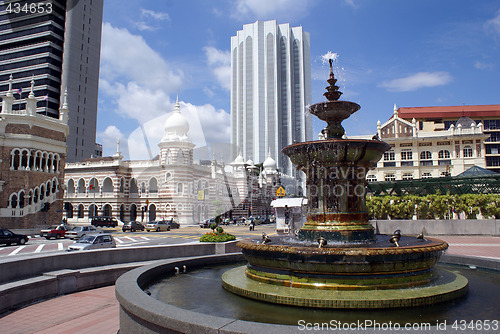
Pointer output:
x,y
250,162
465,122
238,161
176,126
269,163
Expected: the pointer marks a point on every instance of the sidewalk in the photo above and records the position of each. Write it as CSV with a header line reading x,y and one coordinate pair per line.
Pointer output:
x,y
96,311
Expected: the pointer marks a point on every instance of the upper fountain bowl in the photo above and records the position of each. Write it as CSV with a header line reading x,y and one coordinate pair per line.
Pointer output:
x,y
334,111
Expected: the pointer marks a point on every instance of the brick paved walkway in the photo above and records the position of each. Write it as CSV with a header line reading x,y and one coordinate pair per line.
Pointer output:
x,y
96,311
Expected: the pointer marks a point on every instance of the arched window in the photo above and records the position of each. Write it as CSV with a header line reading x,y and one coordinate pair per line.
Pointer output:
x,y
42,192
55,183
38,160
122,212
444,154
107,185
24,159
143,188
180,157
92,210
81,186
122,185
13,201
107,211
21,199
93,186
80,211
133,212
71,186
30,197
425,155
49,187
69,209
35,198
153,185
133,187
467,152
152,212
15,159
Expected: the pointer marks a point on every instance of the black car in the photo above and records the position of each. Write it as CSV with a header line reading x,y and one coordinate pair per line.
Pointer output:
x,y
173,224
132,226
104,222
8,237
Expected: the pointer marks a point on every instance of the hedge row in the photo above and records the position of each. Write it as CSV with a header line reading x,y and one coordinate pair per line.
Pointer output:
x,y
435,206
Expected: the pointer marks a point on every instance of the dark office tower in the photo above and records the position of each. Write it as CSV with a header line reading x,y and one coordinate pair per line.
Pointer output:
x,y
56,43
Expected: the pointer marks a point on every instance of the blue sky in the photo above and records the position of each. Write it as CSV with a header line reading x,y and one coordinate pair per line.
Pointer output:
x,y
410,53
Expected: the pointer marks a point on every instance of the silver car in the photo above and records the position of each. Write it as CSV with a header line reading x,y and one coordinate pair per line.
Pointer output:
x,y
93,241
79,231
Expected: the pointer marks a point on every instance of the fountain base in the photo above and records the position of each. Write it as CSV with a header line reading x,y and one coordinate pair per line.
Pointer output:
x,y
447,286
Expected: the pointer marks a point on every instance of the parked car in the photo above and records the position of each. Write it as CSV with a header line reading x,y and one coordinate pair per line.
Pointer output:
x,y
79,231
132,226
58,231
173,224
206,223
104,222
158,226
8,237
93,241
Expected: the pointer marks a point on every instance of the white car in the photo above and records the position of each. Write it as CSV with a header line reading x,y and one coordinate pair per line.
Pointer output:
x,y
79,231
93,241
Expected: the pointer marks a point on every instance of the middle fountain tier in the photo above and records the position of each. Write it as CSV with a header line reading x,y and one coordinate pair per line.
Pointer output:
x,y
336,260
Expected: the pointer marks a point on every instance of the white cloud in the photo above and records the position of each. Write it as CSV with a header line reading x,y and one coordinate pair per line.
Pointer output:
x,y
493,25
483,66
140,82
206,124
155,15
220,62
125,56
417,81
275,9
109,137
150,20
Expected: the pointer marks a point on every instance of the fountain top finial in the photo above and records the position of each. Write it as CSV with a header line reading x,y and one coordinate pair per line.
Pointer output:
x,y
333,93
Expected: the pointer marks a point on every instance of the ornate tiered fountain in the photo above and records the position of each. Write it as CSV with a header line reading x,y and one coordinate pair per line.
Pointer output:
x,y
336,260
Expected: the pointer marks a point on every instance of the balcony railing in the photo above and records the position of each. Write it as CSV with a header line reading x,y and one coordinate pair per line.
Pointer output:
x,y
406,163
426,163
444,162
390,164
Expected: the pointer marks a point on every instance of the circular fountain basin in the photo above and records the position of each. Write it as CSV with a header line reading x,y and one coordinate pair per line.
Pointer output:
x,y
293,272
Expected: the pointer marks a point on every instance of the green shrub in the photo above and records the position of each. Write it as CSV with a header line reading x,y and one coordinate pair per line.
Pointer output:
x,y
217,237
213,226
219,229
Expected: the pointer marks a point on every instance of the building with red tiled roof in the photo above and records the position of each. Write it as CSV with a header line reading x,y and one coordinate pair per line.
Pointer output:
x,y
441,118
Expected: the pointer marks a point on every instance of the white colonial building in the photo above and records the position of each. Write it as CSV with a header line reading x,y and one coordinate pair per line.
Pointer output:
x,y
171,185
416,154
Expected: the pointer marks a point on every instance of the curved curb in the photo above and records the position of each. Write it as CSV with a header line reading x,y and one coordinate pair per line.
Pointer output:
x,y
140,313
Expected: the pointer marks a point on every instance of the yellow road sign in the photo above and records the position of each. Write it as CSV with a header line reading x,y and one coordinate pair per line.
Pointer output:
x,y
280,192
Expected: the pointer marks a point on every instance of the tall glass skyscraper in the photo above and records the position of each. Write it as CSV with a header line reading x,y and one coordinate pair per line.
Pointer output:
x,y
270,89
57,43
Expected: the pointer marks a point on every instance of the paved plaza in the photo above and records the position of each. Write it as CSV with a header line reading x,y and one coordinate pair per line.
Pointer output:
x,y
96,311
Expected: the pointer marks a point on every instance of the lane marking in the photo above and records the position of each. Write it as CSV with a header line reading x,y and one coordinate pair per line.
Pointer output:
x,y
14,252
60,246
132,239
39,248
134,244
145,238
119,240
